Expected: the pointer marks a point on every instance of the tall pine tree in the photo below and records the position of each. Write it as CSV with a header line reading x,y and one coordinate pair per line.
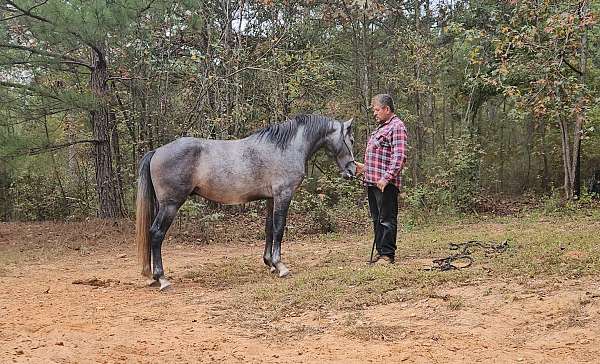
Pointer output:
x,y
48,47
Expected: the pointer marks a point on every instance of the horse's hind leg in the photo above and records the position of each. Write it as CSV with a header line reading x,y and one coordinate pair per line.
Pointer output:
x,y
162,222
267,256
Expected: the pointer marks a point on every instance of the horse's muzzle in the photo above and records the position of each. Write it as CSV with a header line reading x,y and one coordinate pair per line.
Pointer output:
x,y
350,170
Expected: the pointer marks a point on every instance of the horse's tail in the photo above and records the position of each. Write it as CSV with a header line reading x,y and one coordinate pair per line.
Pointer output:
x,y
145,213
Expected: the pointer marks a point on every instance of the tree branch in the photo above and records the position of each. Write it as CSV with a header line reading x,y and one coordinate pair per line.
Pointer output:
x,y
11,17
28,12
42,19
572,67
65,58
190,120
32,89
44,149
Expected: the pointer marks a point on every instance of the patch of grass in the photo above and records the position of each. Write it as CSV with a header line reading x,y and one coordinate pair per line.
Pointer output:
x,y
235,272
376,332
539,245
572,315
299,332
344,288
9,256
455,303
18,255
575,316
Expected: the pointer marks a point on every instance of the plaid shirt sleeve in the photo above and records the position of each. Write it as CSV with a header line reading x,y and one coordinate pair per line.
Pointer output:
x,y
399,139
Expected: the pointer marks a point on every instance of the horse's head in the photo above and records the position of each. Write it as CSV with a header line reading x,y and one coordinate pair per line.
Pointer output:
x,y
341,144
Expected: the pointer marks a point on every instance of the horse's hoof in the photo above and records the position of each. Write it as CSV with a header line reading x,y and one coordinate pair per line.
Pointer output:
x,y
164,284
283,271
152,283
273,269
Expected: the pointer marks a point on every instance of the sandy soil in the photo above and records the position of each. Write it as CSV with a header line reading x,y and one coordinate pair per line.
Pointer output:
x,y
72,294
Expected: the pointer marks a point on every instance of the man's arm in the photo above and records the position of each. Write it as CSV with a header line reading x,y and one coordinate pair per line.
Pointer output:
x,y
399,140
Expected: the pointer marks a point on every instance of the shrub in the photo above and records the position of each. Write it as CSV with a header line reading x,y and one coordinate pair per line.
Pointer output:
x,y
451,181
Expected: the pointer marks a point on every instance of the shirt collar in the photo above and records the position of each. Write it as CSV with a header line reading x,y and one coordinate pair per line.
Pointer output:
x,y
387,122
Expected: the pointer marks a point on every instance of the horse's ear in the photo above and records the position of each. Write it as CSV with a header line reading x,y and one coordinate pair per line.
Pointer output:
x,y
348,125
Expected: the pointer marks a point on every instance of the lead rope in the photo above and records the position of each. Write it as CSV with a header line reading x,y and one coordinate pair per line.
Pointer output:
x,y
464,254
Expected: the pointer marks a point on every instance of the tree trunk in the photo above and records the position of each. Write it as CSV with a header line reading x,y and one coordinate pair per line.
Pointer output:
x,y
577,182
546,172
566,153
580,119
118,160
107,187
444,120
574,177
419,130
528,152
5,200
366,52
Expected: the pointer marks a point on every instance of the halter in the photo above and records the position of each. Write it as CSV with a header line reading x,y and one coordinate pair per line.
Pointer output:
x,y
349,151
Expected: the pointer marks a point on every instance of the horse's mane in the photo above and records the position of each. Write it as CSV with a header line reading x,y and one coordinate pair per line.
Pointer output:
x,y
315,127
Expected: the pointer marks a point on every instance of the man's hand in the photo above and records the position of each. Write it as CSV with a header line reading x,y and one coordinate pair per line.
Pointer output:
x,y
360,168
381,184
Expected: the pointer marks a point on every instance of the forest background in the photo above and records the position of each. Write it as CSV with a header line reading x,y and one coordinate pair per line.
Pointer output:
x,y
500,97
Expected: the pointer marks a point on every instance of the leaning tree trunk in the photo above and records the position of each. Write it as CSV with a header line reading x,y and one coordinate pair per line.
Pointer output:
x,y
566,150
566,154
575,158
107,187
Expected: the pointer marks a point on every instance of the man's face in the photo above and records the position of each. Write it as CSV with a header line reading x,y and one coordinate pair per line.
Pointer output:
x,y
380,112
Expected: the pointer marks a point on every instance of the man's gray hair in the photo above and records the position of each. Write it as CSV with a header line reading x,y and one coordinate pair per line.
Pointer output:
x,y
384,100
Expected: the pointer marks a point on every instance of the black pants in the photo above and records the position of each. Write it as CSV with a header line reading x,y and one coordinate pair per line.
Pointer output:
x,y
384,211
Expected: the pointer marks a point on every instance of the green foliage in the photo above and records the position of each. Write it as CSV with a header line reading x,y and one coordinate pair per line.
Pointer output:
x,y
30,203
198,211
453,181
553,202
319,196
540,45
311,200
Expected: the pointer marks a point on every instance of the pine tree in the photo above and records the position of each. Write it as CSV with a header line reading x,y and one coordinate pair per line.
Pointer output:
x,y
49,47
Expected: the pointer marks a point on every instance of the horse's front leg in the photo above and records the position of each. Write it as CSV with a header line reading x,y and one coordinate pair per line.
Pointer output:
x,y
268,254
281,205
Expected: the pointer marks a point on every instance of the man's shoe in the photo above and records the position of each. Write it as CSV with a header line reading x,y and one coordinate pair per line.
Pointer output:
x,y
386,259
375,259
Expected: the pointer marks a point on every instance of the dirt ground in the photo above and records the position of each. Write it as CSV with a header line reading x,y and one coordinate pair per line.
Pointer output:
x,y
72,294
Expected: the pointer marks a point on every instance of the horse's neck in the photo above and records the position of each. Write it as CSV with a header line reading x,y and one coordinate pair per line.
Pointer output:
x,y
314,144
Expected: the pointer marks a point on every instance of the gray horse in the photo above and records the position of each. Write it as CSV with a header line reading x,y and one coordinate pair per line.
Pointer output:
x,y
269,164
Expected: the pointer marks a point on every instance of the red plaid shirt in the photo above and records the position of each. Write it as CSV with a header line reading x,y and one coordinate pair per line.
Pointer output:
x,y
386,153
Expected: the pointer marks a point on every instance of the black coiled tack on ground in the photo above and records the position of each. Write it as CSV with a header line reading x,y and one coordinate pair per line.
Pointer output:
x,y
463,259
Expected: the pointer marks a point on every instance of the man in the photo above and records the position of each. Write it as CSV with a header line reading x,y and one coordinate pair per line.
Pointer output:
x,y
385,157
